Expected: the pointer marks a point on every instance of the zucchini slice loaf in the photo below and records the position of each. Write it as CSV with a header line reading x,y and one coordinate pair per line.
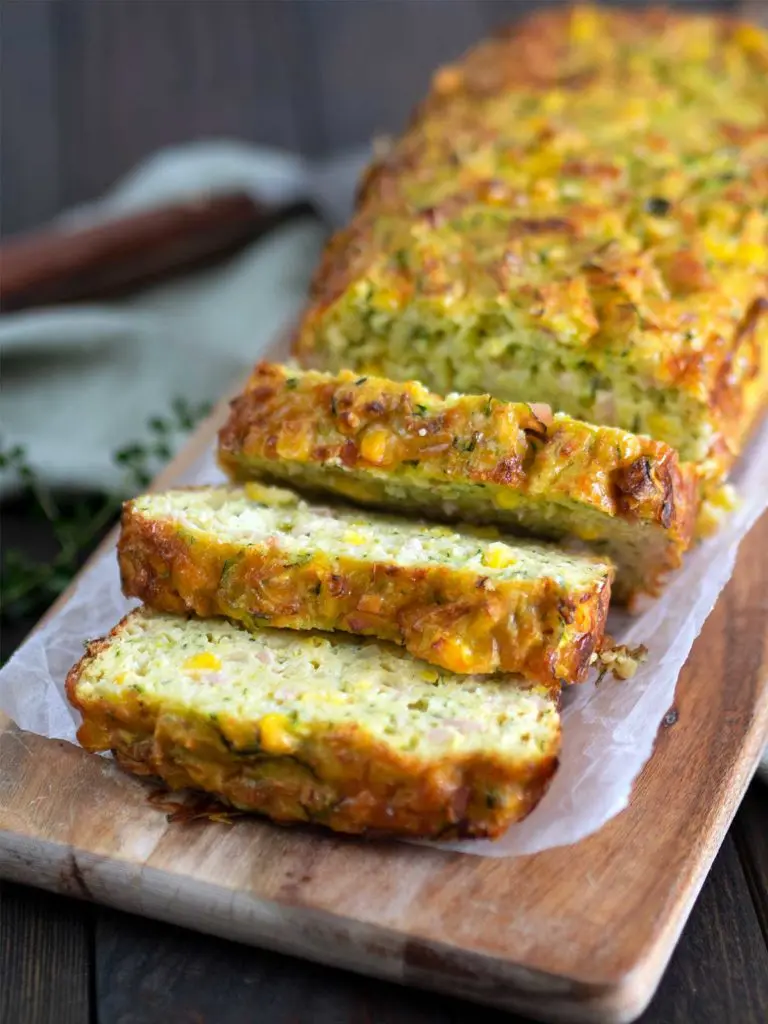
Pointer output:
x,y
475,458
577,215
355,735
456,597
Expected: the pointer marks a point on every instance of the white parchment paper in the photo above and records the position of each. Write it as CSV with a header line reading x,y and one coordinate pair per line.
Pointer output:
x,y
608,731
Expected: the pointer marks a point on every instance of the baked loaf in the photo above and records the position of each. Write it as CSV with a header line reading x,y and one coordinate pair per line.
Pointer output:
x,y
398,446
351,734
460,598
577,216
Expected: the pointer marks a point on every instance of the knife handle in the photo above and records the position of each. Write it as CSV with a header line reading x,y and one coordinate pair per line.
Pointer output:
x,y
55,266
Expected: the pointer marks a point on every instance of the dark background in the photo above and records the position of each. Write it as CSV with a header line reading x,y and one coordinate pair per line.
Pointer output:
x,y
88,88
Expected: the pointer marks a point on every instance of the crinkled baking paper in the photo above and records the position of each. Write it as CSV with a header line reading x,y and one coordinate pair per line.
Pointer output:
x,y
608,730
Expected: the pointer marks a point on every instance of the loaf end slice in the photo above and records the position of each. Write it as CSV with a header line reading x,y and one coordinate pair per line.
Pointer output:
x,y
354,735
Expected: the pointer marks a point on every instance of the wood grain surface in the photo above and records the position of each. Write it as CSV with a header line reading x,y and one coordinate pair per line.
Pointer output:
x,y
579,933
146,972
63,960
751,837
169,974
61,940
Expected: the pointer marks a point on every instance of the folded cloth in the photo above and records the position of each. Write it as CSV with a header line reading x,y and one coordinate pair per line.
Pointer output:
x,y
81,382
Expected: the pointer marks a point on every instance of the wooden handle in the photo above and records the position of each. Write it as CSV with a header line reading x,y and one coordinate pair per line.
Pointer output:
x,y
59,266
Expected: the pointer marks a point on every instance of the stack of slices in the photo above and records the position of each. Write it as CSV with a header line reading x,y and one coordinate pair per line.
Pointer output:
x,y
575,217
321,654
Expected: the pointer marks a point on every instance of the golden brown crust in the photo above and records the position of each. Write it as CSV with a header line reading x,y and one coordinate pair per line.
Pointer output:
x,y
341,779
366,433
306,416
645,246
458,619
379,796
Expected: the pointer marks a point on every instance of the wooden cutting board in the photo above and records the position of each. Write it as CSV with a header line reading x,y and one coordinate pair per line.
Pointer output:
x,y
581,933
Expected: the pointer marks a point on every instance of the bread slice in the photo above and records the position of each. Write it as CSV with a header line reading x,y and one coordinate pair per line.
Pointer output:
x,y
356,735
397,445
575,215
460,598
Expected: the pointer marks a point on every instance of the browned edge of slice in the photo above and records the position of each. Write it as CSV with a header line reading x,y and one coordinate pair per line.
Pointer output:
x,y
341,779
458,619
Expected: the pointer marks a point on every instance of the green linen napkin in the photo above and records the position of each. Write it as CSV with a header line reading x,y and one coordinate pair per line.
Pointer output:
x,y
79,383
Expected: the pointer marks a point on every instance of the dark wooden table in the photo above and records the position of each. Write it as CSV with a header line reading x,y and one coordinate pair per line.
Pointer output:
x,y
62,962
75,114
66,962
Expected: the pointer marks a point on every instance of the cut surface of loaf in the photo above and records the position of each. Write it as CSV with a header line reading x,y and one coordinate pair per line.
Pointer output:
x,y
463,598
576,215
396,445
355,735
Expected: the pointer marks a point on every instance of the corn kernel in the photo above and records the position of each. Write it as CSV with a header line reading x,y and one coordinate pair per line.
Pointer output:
x,y
294,444
752,254
751,39
256,492
457,655
498,556
387,300
714,509
373,446
553,101
635,112
202,662
742,252
506,497
585,23
268,495
275,736
698,46
353,537
590,532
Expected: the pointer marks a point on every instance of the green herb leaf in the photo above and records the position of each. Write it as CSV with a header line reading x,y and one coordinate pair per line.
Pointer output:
x,y
28,585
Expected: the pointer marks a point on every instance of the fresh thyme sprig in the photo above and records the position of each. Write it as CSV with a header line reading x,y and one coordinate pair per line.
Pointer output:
x,y
28,586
